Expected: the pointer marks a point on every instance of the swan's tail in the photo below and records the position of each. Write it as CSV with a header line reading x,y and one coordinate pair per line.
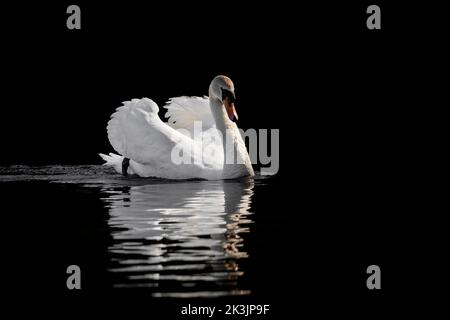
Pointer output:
x,y
113,160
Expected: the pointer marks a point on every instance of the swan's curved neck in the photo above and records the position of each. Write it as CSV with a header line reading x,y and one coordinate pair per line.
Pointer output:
x,y
220,115
233,145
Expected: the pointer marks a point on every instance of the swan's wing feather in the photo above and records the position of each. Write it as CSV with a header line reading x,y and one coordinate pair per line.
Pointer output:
x,y
182,112
136,132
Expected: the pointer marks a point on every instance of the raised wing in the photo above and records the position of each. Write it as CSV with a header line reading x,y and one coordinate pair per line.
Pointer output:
x,y
182,112
136,132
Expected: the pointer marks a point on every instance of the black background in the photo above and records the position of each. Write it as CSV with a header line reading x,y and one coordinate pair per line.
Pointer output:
x,y
314,71
343,97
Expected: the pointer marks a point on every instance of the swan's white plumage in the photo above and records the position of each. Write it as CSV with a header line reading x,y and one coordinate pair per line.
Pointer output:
x,y
136,132
196,125
182,112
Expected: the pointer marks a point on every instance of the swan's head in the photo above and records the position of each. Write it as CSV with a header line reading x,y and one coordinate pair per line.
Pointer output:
x,y
222,88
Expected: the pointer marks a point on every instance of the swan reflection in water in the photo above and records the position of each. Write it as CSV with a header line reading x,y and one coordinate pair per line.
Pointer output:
x,y
180,239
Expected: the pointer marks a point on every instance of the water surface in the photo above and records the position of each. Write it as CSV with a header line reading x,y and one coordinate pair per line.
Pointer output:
x,y
173,238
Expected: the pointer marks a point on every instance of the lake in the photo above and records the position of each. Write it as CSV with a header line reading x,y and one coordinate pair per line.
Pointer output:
x,y
160,245
177,239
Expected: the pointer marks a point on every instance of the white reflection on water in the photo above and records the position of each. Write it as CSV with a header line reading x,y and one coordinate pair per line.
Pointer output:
x,y
180,239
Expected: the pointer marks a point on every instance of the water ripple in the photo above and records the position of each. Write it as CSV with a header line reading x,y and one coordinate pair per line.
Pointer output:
x,y
180,238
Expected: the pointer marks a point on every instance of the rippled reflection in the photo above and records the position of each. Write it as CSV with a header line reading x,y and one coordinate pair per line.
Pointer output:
x,y
180,239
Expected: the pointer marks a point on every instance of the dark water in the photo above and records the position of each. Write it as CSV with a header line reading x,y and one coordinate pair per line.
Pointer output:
x,y
186,236
173,238
157,245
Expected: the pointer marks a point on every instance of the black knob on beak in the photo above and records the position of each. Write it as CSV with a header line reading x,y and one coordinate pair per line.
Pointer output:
x,y
228,94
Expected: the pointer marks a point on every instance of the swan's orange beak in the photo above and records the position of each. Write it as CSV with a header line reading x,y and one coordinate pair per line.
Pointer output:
x,y
231,110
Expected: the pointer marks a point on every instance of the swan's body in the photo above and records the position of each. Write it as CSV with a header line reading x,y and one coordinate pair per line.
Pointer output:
x,y
137,133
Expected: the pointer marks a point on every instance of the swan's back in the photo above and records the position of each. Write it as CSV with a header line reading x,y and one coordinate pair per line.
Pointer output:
x,y
136,132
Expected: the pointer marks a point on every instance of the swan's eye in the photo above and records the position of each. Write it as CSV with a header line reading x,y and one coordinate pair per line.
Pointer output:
x,y
228,94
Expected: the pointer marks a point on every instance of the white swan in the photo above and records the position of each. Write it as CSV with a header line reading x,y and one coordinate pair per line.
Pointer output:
x,y
152,148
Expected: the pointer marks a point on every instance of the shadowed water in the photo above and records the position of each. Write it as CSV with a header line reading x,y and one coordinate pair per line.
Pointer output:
x,y
174,238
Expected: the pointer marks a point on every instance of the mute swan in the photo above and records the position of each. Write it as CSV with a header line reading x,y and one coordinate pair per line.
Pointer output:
x,y
152,148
